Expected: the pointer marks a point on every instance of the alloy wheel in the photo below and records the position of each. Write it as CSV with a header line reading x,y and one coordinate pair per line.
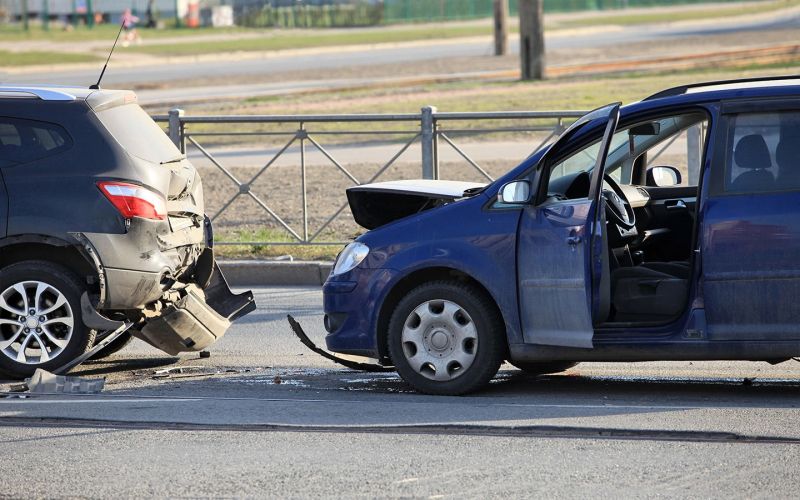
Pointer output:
x,y
36,322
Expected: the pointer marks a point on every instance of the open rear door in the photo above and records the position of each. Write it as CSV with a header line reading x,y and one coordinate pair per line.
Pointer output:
x,y
561,252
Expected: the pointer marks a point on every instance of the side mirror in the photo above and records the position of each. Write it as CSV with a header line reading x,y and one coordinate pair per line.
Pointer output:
x,y
516,192
663,176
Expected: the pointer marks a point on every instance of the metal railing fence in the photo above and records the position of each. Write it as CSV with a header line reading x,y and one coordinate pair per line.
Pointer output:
x,y
433,130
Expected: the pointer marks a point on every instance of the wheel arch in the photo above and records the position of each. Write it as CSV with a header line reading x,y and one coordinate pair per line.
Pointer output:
x,y
411,281
20,248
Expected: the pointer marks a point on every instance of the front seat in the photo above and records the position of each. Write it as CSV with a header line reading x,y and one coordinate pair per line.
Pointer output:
x,y
647,295
751,153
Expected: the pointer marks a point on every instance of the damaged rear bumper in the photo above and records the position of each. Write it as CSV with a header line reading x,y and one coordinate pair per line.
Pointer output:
x,y
198,318
175,309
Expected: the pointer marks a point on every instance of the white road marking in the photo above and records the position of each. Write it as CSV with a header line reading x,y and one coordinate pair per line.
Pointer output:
x,y
119,399
92,401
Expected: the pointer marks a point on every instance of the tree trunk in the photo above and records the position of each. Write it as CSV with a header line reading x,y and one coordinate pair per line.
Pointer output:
x,y
500,27
531,39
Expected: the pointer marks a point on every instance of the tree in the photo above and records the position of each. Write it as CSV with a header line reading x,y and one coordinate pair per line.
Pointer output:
x,y
500,27
531,39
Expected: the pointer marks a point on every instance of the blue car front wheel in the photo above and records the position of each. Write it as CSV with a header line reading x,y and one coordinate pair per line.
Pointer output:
x,y
446,337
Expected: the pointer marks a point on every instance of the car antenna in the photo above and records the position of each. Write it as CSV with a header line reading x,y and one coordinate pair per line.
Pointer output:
x,y
96,86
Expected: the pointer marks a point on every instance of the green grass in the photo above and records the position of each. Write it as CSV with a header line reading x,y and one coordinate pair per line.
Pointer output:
x,y
275,40
577,92
304,252
10,33
33,58
719,11
285,40
568,93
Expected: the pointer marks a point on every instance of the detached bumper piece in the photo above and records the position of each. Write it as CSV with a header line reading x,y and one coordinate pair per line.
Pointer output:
x,y
199,318
354,365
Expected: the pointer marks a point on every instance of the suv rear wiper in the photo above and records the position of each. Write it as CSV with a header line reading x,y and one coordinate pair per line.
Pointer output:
x,y
174,160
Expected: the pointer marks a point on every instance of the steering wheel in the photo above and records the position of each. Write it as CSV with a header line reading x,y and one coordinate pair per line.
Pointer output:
x,y
618,208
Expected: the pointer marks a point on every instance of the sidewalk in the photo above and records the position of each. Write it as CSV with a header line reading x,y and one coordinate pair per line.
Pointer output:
x,y
275,273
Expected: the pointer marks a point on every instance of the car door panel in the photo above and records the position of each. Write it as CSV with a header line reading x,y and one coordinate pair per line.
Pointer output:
x,y
751,267
556,274
750,239
560,258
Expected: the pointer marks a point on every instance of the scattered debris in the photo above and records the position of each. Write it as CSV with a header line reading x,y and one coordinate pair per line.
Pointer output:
x,y
367,367
277,379
45,382
181,370
107,337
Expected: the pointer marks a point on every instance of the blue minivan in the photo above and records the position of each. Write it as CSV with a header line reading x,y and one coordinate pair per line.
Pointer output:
x,y
668,229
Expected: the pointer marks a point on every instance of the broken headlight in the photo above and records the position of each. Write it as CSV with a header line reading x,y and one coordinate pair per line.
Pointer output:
x,y
350,257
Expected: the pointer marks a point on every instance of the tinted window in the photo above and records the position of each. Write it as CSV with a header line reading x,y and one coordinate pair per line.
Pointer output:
x,y
135,131
22,141
763,152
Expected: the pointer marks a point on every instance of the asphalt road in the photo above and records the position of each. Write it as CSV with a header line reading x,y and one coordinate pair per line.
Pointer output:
x,y
275,63
265,417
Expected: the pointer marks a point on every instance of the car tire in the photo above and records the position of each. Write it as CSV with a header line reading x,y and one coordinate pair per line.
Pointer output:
x,y
114,347
53,294
543,367
446,338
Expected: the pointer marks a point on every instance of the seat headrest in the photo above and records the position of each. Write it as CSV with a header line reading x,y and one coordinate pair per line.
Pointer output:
x,y
752,152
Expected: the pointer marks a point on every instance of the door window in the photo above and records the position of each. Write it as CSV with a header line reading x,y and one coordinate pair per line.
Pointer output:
x,y
585,159
763,152
676,141
682,150
23,141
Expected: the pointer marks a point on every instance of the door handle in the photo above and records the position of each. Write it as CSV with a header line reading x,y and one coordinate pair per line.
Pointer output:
x,y
573,240
675,205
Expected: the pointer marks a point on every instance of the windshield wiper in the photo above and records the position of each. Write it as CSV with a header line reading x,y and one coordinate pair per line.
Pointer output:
x,y
174,160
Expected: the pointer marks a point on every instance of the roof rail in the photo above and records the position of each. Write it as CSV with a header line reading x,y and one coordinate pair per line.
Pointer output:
x,y
42,93
684,88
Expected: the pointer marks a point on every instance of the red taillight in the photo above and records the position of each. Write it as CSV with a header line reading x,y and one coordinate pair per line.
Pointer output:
x,y
134,201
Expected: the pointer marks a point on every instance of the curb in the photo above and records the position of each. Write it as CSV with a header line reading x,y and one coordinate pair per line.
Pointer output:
x,y
275,273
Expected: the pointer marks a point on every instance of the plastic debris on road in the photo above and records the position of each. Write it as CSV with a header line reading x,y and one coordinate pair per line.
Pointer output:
x,y
45,382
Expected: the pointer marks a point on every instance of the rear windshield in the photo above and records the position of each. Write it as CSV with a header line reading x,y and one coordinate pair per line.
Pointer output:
x,y
133,128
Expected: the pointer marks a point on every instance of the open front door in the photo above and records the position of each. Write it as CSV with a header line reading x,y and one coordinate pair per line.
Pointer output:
x,y
562,252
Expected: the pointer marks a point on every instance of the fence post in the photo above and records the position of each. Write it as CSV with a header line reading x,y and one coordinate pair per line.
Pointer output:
x,y
175,128
429,138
